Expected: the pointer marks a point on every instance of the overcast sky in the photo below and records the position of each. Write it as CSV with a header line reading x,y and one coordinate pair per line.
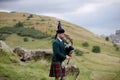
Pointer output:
x,y
98,16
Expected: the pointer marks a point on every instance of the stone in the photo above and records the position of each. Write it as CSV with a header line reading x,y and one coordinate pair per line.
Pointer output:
x,y
5,47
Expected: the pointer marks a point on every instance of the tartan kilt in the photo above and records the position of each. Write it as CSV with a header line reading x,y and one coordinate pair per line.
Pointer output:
x,y
56,70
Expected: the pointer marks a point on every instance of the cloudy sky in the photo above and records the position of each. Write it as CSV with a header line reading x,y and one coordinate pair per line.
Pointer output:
x,y
98,16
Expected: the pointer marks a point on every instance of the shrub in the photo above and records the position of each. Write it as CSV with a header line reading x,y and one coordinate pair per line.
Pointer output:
x,y
30,16
42,19
32,33
14,19
115,45
13,12
25,39
21,31
107,38
78,52
85,44
19,24
96,49
37,23
117,48
28,19
6,30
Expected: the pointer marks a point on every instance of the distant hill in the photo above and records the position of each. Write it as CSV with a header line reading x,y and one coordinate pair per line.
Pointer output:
x,y
93,66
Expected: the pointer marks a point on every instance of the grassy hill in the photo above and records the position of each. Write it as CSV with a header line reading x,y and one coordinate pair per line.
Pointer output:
x,y
93,66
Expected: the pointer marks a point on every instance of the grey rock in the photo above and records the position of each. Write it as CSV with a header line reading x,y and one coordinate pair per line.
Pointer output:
x,y
5,47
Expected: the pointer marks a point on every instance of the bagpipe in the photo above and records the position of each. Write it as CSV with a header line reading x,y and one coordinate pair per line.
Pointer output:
x,y
68,46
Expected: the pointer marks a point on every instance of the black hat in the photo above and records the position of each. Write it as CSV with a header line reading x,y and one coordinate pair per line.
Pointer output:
x,y
60,31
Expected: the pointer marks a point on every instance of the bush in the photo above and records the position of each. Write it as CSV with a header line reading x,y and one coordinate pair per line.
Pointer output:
x,y
78,52
115,45
117,48
21,31
6,30
28,19
30,16
32,33
14,19
25,39
96,49
85,44
107,38
42,19
19,24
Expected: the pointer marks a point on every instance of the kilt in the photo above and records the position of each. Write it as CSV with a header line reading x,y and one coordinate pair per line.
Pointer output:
x,y
56,70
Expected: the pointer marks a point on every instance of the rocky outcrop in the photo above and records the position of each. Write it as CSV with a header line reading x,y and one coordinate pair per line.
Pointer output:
x,y
71,69
26,55
4,46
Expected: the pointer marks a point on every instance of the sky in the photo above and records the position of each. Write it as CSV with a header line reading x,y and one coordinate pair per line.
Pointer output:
x,y
102,17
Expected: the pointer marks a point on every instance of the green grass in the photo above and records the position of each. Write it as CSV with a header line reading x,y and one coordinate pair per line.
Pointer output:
x,y
100,66
92,67
97,66
8,57
24,72
15,41
13,69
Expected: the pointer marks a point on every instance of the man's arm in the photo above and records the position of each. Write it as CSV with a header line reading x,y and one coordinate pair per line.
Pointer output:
x,y
56,51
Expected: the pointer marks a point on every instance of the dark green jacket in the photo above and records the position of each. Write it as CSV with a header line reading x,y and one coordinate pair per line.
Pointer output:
x,y
58,51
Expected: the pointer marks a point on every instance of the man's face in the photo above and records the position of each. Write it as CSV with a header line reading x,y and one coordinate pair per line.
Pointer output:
x,y
61,35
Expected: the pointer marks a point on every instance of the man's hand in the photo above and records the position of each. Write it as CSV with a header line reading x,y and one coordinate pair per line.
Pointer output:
x,y
68,57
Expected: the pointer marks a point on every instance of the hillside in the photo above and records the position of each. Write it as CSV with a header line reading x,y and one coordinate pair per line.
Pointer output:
x,y
101,66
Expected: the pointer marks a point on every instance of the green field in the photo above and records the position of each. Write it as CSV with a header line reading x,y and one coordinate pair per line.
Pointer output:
x,y
15,41
93,66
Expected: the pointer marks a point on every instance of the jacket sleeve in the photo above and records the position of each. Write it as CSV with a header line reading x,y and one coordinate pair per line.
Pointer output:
x,y
56,50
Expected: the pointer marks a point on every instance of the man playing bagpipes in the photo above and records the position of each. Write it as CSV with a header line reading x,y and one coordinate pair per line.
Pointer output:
x,y
61,51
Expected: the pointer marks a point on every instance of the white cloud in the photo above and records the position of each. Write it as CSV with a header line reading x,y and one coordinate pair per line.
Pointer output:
x,y
106,1
87,8
4,10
